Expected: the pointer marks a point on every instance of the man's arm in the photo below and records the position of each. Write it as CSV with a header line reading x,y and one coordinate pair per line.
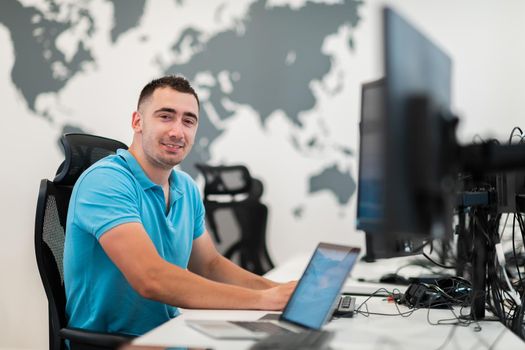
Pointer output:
x,y
133,252
207,262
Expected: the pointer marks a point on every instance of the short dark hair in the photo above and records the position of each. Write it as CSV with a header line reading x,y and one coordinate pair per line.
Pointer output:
x,y
175,82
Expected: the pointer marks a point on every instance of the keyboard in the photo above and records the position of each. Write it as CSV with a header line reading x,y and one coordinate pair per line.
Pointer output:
x,y
306,340
262,327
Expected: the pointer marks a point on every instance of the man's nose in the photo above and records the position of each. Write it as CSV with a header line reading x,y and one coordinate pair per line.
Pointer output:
x,y
175,129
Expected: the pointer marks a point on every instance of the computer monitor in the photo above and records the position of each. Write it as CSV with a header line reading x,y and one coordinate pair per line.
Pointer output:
x,y
417,100
404,197
410,160
370,187
370,191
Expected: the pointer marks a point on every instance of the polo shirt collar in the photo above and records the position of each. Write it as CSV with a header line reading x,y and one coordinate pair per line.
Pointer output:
x,y
136,169
145,181
175,190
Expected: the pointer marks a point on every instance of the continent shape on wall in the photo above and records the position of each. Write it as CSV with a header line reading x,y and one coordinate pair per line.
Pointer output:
x,y
267,61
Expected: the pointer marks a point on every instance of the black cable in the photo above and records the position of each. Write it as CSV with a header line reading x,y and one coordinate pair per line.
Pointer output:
x,y
438,264
417,249
510,303
512,133
517,321
441,322
483,230
491,294
478,137
401,313
494,276
393,294
514,250
498,304
504,226
421,264
521,225
459,320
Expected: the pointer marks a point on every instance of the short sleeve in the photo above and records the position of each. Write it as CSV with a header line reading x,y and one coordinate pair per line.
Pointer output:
x,y
105,198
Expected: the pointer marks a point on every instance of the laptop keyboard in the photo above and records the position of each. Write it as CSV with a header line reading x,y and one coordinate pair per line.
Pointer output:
x,y
262,327
307,340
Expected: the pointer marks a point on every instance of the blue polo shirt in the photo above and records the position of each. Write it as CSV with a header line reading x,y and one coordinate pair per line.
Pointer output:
x,y
112,192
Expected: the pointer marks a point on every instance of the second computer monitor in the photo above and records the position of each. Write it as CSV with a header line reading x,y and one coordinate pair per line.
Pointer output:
x,y
402,199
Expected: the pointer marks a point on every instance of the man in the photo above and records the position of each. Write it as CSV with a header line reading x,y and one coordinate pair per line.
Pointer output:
x,y
135,225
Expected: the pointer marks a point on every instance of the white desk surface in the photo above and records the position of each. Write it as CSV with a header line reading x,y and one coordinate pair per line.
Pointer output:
x,y
360,332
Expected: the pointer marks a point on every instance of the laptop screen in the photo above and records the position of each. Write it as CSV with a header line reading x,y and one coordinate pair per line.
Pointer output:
x,y
312,301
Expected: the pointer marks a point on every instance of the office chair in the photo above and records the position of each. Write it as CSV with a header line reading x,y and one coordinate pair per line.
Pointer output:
x,y
236,217
81,150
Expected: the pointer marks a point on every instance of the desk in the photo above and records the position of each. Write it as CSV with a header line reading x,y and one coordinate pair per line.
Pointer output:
x,y
360,332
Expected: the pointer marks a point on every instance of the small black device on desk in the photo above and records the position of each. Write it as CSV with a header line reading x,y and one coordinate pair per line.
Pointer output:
x,y
441,294
345,307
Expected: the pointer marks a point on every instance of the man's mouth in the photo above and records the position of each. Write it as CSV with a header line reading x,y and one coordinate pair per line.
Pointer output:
x,y
173,146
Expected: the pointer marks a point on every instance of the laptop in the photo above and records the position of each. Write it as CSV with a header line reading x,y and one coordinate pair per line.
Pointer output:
x,y
310,306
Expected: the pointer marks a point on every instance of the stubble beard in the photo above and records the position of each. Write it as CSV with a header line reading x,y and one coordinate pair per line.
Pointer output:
x,y
163,161
158,159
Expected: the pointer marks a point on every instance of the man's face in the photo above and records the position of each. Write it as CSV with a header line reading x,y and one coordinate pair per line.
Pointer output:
x,y
167,123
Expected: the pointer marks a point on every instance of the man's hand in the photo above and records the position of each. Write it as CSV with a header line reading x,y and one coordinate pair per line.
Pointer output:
x,y
275,298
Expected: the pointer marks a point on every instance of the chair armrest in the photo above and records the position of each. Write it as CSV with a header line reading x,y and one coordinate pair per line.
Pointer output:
x,y
94,339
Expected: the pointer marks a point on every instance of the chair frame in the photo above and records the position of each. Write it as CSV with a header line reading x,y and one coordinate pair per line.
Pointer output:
x,y
60,188
251,245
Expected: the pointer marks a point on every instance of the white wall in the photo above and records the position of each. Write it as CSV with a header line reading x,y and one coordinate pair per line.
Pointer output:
x,y
483,37
484,40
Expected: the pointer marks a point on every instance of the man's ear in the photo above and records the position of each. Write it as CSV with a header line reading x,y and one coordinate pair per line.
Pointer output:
x,y
136,121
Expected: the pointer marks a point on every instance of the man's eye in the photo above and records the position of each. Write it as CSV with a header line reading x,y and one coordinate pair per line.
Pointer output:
x,y
165,116
190,121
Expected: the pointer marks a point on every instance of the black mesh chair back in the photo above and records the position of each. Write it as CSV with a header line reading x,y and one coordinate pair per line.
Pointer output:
x,y
81,151
235,215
